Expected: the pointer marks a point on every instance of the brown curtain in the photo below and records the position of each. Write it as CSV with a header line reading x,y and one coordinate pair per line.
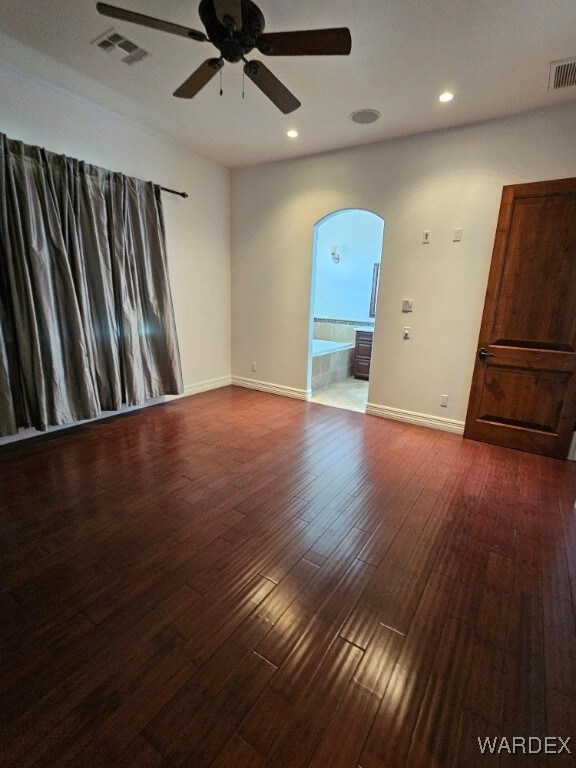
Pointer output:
x,y
86,317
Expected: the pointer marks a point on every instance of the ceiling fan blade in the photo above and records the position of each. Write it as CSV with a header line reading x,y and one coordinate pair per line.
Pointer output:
x,y
271,86
229,13
149,21
310,42
199,78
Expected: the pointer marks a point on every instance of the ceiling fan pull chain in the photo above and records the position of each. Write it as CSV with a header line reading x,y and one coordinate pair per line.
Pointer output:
x,y
243,82
221,89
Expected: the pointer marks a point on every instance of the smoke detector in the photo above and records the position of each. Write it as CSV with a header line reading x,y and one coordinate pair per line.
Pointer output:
x,y
118,46
562,74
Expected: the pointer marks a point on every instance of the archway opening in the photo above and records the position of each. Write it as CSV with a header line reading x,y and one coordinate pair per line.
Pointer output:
x,y
345,279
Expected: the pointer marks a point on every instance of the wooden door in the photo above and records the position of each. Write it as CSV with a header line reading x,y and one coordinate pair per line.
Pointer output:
x,y
524,385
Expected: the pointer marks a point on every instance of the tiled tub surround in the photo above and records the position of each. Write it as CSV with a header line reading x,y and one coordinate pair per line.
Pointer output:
x,y
339,330
332,361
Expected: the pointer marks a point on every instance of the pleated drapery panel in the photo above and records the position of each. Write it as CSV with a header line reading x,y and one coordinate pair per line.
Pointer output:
x,y
87,323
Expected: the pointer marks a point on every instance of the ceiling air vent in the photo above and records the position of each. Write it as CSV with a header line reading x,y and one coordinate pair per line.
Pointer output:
x,y
562,74
121,48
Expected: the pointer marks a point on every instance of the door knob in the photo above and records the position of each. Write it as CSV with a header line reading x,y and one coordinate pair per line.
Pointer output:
x,y
483,354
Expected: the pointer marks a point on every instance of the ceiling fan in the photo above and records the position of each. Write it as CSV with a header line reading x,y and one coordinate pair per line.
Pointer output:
x,y
235,27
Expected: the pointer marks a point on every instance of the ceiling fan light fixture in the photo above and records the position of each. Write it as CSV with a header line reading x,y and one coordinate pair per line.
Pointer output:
x,y
235,28
365,116
446,97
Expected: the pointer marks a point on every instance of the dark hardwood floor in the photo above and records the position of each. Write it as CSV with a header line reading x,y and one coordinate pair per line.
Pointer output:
x,y
243,580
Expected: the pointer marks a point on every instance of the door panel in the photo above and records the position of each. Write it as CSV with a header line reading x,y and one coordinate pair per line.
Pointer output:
x,y
532,280
524,391
517,396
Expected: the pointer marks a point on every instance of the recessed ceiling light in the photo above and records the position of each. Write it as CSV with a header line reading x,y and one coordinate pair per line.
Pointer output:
x,y
292,134
446,96
365,116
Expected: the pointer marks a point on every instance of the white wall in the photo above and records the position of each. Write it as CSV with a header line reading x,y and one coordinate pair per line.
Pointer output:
x,y
198,228
433,182
342,290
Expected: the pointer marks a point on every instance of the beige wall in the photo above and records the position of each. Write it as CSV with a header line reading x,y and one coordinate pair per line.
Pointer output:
x,y
433,182
198,229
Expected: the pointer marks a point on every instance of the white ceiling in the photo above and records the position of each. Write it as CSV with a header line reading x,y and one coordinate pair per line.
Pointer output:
x,y
494,55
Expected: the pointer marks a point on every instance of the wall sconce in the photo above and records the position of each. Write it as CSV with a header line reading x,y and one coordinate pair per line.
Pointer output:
x,y
334,253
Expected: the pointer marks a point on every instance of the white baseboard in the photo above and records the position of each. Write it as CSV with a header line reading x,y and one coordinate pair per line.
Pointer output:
x,y
275,389
206,386
422,419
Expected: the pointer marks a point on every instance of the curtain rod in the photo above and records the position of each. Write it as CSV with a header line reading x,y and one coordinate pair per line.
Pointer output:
x,y
174,192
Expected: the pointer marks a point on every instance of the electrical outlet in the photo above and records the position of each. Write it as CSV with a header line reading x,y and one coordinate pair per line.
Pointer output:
x,y
457,236
253,364
444,401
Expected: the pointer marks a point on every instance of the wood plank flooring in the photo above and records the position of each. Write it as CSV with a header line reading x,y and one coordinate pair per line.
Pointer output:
x,y
240,580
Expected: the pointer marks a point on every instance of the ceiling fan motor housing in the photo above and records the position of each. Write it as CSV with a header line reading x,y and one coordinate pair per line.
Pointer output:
x,y
232,44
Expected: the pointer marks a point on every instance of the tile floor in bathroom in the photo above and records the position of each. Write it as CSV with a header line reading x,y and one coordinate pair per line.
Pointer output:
x,y
351,394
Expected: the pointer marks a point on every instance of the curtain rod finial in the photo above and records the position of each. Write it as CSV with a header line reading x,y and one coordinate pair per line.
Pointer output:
x,y
174,192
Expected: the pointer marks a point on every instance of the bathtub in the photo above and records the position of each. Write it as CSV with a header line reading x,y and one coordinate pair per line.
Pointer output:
x,y
332,361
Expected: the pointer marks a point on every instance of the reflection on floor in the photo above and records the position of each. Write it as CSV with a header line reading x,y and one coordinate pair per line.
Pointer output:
x,y
351,394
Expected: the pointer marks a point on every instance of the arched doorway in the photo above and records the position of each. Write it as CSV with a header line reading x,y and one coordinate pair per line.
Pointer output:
x,y
345,277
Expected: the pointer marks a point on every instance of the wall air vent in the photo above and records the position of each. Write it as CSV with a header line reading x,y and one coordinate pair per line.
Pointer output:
x,y
125,50
562,74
